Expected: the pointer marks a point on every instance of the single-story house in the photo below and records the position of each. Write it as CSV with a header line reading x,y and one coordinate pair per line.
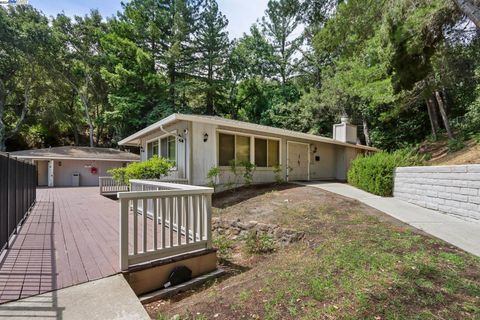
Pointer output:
x,y
197,143
74,166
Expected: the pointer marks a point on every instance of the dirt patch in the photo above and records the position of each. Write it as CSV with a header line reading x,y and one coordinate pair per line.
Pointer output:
x,y
440,154
354,262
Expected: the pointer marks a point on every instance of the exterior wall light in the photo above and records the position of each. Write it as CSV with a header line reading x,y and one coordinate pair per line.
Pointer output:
x,y
205,137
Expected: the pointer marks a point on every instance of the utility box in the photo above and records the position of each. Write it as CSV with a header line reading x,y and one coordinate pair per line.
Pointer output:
x,y
75,179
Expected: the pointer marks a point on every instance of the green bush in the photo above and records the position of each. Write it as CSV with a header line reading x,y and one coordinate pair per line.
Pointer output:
x,y
224,247
257,243
456,144
154,168
374,173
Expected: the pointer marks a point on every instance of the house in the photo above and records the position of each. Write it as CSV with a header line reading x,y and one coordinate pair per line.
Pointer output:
x,y
197,143
74,166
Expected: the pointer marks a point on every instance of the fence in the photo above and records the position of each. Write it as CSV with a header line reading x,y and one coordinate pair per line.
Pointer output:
x,y
159,219
108,186
18,182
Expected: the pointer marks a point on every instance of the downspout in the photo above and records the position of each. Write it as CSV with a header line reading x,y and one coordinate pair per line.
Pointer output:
x,y
185,149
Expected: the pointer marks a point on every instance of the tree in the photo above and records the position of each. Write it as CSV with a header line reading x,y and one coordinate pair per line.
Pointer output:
x,y
470,9
80,58
212,45
281,21
25,41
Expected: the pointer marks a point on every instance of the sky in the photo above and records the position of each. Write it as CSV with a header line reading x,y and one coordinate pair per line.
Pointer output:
x,y
241,14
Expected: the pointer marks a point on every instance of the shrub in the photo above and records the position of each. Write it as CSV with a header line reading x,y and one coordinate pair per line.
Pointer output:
x,y
258,243
374,173
248,170
277,171
456,144
224,247
212,177
154,168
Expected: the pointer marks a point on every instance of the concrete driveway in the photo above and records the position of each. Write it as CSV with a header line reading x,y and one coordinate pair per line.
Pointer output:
x,y
461,233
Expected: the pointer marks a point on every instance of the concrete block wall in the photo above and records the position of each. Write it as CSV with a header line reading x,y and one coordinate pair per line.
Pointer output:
x,y
449,189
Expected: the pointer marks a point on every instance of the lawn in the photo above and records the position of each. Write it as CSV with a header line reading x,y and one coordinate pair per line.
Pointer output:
x,y
353,263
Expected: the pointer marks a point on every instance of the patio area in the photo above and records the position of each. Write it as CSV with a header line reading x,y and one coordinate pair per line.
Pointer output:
x,y
70,237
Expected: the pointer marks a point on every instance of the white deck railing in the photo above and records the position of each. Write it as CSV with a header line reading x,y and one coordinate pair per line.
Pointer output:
x,y
108,186
177,220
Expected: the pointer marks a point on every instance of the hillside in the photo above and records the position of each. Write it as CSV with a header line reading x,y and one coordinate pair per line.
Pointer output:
x,y
440,154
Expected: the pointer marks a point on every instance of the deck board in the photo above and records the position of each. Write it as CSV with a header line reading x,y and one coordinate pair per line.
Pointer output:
x,y
70,237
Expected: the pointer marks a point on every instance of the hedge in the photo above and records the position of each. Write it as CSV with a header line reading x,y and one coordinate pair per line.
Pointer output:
x,y
374,173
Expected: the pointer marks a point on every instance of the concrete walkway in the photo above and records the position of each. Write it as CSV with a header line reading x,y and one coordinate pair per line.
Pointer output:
x,y
461,233
107,298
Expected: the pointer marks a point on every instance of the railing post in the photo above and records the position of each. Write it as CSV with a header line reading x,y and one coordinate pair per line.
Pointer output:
x,y
123,250
209,220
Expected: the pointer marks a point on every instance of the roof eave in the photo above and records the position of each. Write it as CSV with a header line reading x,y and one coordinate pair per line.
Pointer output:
x,y
129,141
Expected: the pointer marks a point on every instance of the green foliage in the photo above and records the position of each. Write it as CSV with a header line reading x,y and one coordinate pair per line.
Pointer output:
x,y
212,176
224,246
153,168
277,171
259,243
374,173
456,144
248,169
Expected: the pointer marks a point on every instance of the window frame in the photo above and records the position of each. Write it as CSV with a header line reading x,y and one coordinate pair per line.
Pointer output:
x,y
252,146
159,138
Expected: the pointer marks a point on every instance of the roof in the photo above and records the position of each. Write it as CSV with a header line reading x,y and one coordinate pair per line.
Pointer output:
x,y
134,139
77,153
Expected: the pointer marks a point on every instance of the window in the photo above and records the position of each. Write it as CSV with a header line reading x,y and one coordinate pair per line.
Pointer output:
x,y
261,152
242,148
233,147
226,143
169,148
267,152
152,149
273,153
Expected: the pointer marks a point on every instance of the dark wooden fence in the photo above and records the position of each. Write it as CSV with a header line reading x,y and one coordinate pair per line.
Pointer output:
x,y
18,182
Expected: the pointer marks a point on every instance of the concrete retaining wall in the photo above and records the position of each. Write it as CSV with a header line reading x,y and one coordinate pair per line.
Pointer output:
x,y
449,189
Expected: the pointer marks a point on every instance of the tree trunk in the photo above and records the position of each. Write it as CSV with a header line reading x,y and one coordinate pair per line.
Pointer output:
x,y
443,113
89,120
366,132
171,90
432,115
210,93
470,10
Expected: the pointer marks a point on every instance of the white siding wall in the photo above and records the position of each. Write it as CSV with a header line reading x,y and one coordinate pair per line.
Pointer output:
x,y
181,146
63,172
204,154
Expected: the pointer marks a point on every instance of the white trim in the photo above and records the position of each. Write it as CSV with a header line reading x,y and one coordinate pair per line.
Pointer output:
x,y
133,139
308,158
64,158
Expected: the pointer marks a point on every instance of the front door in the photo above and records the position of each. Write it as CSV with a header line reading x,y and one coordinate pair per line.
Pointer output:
x,y
297,161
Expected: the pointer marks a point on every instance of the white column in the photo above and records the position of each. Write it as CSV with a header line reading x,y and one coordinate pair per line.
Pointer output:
x,y
51,176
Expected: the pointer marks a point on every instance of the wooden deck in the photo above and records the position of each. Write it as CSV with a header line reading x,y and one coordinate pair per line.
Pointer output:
x,y
70,237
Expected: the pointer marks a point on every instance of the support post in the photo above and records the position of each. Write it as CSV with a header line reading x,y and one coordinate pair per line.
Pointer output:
x,y
123,252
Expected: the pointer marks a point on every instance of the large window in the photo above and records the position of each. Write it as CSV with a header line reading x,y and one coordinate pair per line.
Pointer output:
x,y
237,147
233,147
165,148
267,152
